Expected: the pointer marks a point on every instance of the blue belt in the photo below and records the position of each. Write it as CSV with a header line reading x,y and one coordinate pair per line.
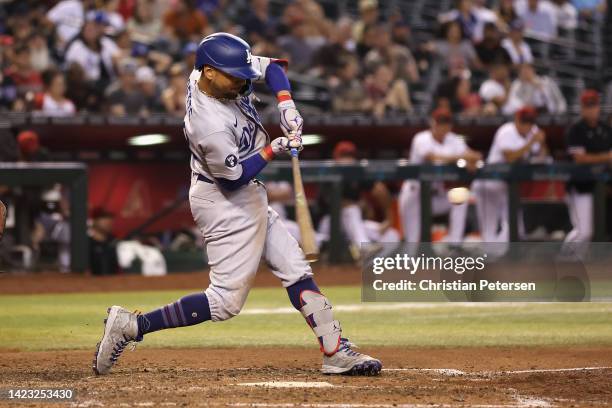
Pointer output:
x,y
205,179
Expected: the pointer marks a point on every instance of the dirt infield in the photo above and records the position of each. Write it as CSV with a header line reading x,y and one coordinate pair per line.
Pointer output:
x,y
501,377
54,282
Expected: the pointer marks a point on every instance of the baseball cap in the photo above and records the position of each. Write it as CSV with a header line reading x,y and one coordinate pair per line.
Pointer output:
x,y
589,97
190,48
344,149
442,115
527,114
28,142
98,16
145,74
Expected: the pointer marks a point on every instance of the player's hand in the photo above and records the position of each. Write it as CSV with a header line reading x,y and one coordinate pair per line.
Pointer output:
x,y
283,144
291,123
539,137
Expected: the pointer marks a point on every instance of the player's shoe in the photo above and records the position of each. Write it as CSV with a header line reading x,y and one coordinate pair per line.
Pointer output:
x,y
347,361
121,329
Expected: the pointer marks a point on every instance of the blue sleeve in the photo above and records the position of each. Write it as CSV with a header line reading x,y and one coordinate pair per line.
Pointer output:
x,y
276,79
250,168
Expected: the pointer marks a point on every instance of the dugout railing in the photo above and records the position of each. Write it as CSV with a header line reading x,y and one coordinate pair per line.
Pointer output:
x,y
332,175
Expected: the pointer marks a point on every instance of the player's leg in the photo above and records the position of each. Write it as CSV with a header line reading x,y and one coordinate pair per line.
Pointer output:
x,y
582,218
234,230
410,210
353,225
287,262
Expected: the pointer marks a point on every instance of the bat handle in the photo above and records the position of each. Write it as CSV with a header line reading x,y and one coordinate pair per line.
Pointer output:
x,y
294,152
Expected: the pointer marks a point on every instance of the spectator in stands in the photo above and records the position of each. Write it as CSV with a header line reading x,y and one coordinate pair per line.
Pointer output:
x,y
308,30
471,18
506,13
258,23
591,10
490,50
185,22
147,82
189,55
539,18
457,52
387,94
94,52
143,27
541,92
589,141
494,91
125,96
68,18
437,145
25,78
116,23
348,91
455,94
566,16
40,56
102,244
173,97
54,101
368,41
368,16
516,47
395,56
330,56
84,94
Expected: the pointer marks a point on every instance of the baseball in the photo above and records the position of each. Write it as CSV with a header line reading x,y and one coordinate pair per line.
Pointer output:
x,y
458,195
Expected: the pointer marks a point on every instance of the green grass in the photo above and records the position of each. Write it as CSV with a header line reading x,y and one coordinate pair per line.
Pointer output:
x,y
74,321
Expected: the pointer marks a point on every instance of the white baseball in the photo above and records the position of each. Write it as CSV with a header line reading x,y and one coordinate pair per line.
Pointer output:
x,y
458,195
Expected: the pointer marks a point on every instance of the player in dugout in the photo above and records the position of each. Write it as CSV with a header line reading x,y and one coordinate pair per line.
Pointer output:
x,y
589,141
519,140
437,145
367,215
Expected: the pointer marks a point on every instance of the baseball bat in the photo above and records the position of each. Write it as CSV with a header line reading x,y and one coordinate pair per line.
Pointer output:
x,y
302,213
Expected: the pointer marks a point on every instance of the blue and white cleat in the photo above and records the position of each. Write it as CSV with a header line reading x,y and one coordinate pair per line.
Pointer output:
x,y
347,361
121,329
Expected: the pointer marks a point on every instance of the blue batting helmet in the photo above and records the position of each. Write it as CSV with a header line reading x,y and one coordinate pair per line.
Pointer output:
x,y
227,53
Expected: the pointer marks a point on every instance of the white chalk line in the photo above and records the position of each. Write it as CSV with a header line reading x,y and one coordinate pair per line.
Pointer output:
x,y
365,307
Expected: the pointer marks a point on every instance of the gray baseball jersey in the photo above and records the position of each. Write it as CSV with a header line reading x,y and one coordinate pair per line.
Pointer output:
x,y
238,227
221,133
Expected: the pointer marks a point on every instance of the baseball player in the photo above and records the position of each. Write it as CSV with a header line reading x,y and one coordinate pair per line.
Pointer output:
x,y
520,139
437,145
589,141
229,147
357,209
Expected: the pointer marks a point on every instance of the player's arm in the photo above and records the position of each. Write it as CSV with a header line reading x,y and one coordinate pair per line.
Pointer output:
x,y
291,121
512,155
579,153
221,155
468,155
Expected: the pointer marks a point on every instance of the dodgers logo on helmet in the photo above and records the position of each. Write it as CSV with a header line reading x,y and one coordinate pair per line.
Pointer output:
x,y
227,53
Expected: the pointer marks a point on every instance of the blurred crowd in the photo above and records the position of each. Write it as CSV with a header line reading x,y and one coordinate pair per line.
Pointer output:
x,y
132,57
